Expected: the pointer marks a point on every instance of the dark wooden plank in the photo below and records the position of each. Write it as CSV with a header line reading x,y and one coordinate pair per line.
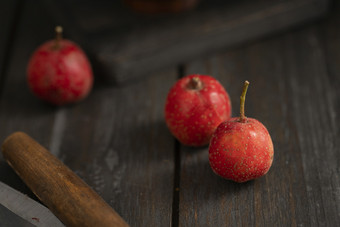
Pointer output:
x,y
314,107
292,95
330,40
128,45
117,141
8,17
322,124
20,110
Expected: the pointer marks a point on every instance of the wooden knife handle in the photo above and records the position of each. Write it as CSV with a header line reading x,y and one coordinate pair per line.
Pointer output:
x,y
61,190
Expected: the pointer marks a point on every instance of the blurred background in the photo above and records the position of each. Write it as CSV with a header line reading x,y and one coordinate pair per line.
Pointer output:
x,y
130,39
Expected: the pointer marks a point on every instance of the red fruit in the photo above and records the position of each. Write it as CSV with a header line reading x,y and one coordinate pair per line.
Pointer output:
x,y
59,72
241,148
194,107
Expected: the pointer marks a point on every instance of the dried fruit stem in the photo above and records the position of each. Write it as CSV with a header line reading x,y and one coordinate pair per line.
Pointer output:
x,y
242,101
195,84
59,35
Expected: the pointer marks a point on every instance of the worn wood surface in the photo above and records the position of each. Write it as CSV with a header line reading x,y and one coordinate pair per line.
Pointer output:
x,y
117,141
127,45
290,94
60,189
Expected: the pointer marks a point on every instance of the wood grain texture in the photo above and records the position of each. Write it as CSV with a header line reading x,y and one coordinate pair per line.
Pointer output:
x,y
330,43
61,190
19,109
127,45
291,94
124,150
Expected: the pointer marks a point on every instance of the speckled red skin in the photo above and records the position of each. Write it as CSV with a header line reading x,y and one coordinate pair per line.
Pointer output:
x,y
193,115
59,75
241,151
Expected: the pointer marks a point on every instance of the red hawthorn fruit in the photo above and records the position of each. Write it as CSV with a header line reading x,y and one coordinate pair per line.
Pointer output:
x,y
59,71
241,148
195,106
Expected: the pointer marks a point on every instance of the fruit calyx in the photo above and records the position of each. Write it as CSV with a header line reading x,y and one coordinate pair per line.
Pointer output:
x,y
243,118
195,84
58,36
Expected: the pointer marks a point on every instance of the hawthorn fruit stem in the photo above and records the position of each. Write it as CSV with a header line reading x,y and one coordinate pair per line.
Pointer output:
x,y
59,35
243,100
195,84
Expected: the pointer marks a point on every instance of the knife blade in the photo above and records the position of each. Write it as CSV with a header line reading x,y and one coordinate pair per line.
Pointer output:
x,y
8,218
17,209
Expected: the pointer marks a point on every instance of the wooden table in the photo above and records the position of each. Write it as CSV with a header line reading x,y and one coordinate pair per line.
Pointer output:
x,y
117,140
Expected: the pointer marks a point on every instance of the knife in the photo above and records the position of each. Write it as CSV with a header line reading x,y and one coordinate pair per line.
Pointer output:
x,y
17,209
8,219
57,186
